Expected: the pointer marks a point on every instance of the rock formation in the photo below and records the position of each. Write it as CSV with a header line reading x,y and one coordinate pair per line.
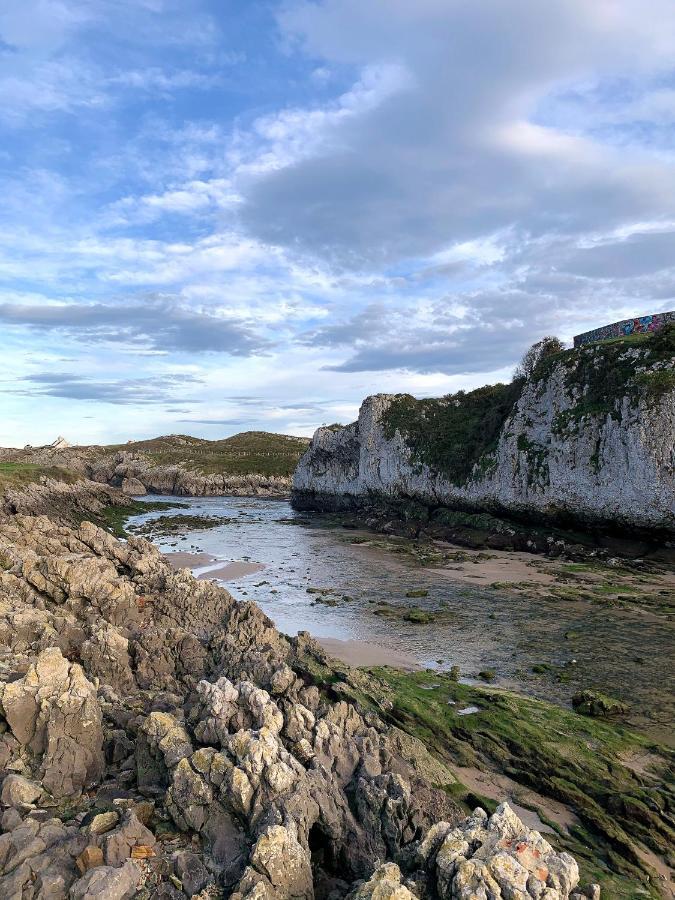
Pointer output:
x,y
588,438
137,469
160,739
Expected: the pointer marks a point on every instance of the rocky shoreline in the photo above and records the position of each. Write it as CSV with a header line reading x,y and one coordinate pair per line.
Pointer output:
x,y
136,472
160,739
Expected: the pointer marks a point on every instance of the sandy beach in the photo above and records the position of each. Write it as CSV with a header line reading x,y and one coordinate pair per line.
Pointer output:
x,y
362,653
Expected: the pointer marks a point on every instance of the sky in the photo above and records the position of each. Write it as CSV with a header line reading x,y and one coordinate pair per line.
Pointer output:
x,y
228,215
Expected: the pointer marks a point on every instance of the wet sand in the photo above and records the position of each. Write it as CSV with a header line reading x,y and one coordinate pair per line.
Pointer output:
x,y
231,571
505,566
183,560
363,653
538,623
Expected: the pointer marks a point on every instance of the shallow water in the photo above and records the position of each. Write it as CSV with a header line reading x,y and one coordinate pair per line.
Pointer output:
x,y
625,653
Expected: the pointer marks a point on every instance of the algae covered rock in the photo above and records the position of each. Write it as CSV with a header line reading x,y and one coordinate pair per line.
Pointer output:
x,y
597,704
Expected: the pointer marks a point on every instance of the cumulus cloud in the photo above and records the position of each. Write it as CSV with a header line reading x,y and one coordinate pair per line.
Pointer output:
x,y
452,152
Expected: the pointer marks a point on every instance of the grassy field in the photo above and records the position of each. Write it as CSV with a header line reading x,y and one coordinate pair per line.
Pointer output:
x,y
258,452
16,475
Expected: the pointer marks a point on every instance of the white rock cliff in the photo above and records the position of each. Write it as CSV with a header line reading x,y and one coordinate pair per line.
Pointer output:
x,y
551,458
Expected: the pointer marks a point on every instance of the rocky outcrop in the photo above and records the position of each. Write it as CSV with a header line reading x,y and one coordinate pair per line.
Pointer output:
x,y
63,500
54,714
131,470
137,474
558,455
159,738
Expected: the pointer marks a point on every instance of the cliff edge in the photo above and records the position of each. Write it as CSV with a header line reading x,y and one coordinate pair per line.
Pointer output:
x,y
588,437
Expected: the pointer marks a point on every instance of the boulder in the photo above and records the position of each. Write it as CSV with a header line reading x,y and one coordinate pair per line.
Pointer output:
x,y
384,884
117,845
497,856
18,791
132,487
597,704
107,883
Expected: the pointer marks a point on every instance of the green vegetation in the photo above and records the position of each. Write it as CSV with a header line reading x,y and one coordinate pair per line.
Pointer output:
x,y
114,518
165,525
451,434
657,383
562,756
412,614
252,452
605,372
17,475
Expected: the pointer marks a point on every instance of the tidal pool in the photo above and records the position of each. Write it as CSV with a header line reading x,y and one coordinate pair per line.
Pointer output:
x,y
623,652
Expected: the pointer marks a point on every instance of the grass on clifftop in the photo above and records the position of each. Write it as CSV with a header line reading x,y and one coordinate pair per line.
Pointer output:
x,y
252,452
17,475
582,762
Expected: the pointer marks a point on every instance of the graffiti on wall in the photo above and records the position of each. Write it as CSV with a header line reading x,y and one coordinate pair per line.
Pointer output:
x,y
640,325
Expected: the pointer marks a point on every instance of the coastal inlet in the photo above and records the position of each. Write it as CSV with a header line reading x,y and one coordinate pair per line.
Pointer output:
x,y
375,601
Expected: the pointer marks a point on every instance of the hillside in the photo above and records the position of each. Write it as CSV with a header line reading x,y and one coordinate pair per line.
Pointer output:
x,y
586,439
259,452
251,463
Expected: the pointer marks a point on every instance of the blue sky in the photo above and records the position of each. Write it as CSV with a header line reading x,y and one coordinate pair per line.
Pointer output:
x,y
221,216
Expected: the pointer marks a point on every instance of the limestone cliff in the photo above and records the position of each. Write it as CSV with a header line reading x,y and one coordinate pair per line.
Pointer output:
x,y
589,436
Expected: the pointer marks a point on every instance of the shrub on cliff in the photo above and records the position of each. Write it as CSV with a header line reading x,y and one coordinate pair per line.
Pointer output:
x,y
547,346
451,434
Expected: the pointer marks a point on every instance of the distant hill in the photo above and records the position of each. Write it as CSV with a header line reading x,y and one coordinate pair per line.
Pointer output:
x,y
259,452
251,463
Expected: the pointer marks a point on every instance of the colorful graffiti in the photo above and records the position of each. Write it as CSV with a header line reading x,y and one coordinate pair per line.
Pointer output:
x,y
640,325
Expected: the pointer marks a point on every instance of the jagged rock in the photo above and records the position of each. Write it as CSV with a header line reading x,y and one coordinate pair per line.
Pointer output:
x,y
162,743
39,857
103,822
107,883
105,654
192,872
53,711
496,857
90,857
279,867
204,707
384,884
117,844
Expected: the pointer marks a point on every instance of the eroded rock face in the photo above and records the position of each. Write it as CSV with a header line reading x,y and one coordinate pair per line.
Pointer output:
x,y
495,857
54,713
138,702
617,468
